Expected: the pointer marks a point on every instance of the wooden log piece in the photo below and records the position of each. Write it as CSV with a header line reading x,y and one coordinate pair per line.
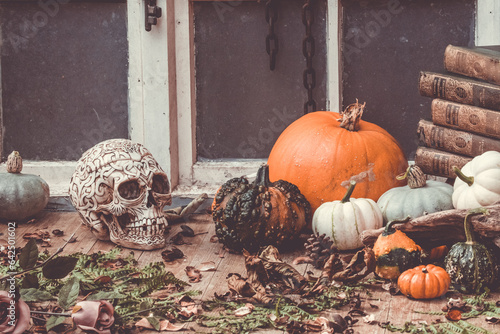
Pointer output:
x,y
445,227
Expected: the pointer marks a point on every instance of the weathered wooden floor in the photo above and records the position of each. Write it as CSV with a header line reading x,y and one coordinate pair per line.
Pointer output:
x,y
396,309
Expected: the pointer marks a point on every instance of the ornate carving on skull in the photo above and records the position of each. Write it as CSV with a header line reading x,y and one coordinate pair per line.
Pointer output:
x,y
120,191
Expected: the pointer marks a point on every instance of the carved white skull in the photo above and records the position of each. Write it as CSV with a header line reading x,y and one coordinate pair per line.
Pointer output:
x,y
120,191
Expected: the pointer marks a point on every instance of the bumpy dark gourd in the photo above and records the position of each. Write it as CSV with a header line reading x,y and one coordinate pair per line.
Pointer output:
x,y
470,265
251,215
395,252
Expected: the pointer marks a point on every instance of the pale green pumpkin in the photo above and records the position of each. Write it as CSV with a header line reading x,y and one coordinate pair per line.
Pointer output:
x,y
21,195
417,198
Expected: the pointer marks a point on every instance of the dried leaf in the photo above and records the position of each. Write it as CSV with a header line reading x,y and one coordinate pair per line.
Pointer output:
x,y
361,264
166,325
193,205
193,274
37,236
144,323
57,232
178,240
370,319
102,279
339,323
302,259
239,285
208,266
71,240
114,264
188,307
170,255
492,320
187,231
214,239
256,271
279,271
161,294
163,325
244,310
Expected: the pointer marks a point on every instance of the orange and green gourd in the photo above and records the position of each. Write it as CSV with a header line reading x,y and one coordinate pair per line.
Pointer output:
x,y
395,252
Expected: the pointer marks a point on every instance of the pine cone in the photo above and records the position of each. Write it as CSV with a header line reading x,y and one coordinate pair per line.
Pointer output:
x,y
319,248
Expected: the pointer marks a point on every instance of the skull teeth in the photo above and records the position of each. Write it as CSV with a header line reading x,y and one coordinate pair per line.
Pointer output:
x,y
146,227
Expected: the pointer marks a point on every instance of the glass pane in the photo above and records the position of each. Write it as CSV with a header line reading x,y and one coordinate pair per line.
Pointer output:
x,y
242,106
386,43
64,77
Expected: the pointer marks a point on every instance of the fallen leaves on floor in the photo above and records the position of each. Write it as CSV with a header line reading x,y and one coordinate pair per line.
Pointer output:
x,y
161,325
170,255
193,274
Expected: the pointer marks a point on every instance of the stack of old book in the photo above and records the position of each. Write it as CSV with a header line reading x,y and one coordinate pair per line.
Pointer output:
x,y
465,110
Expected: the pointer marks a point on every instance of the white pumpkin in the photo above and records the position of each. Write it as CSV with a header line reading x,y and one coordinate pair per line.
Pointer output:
x,y
478,182
344,220
417,198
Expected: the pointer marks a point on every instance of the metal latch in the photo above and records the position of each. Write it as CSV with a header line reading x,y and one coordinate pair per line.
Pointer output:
x,y
153,12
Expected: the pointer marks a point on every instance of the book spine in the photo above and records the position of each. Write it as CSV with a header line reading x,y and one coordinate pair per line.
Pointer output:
x,y
461,90
454,141
467,118
439,163
473,64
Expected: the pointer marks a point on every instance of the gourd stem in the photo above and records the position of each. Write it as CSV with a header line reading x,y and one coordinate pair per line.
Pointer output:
x,y
262,178
467,228
467,179
468,234
351,116
348,194
415,177
389,228
14,163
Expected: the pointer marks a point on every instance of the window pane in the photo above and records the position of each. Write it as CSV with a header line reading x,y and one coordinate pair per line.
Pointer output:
x,y
386,43
242,106
64,77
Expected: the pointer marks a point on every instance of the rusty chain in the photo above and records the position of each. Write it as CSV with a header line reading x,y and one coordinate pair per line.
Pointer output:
x,y
308,49
271,38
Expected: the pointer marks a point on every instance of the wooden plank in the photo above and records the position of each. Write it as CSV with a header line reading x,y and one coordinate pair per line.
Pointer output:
x,y
68,222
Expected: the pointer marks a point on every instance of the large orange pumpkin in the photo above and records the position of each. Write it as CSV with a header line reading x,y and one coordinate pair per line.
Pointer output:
x,y
322,152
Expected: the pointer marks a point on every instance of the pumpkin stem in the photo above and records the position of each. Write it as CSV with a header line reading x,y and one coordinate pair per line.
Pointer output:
x,y
348,194
415,177
262,178
467,228
424,270
389,228
14,163
351,116
467,179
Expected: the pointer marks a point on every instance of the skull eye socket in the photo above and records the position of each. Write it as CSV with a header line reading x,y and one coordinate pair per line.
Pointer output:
x,y
130,189
160,184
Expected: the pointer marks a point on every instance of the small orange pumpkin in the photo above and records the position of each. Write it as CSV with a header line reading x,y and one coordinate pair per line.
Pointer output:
x,y
323,151
424,282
